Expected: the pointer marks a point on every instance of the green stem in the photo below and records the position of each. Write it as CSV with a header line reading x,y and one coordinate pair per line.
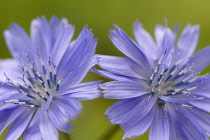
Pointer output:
x,y
110,133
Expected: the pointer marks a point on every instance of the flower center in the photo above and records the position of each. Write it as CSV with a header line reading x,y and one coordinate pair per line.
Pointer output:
x,y
169,79
37,86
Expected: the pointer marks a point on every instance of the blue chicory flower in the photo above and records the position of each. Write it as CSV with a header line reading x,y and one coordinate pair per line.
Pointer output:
x,y
43,84
158,85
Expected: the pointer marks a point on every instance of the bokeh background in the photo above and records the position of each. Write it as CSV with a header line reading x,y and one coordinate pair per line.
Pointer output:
x,y
100,15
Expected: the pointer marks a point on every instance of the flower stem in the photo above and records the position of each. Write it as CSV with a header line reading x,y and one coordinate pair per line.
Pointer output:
x,y
110,133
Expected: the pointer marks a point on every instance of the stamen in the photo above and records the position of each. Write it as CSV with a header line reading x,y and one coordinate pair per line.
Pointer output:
x,y
176,92
190,81
48,81
31,64
174,69
186,79
50,66
192,88
51,74
41,61
36,92
185,92
38,85
185,105
55,75
18,102
8,80
165,69
36,74
30,96
40,95
23,88
173,93
48,94
157,68
58,84
155,92
185,70
188,68
179,84
27,75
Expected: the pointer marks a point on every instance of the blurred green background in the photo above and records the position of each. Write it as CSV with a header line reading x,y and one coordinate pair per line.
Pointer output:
x,y
100,15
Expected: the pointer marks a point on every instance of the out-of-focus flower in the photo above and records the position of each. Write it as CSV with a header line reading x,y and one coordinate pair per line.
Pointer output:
x,y
158,85
43,84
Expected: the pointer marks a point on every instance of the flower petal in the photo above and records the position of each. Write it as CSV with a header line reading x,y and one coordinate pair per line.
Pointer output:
x,y
80,87
41,111
33,132
123,89
13,116
200,86
141,126
188,127
119,111
159,34
129,68
82,91
200,60
127,46
84,95
47,129
202,104
77,75
62,33
80,52
165,39
9,92
41,37
174,100
116,77
4,113
18,42
140,111
68,106
4,107
160,126
203,119
146,43
19,125
187,41
51,39
60,121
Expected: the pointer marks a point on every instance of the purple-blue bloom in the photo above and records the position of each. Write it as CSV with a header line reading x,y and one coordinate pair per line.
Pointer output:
x,y
159,85
43,84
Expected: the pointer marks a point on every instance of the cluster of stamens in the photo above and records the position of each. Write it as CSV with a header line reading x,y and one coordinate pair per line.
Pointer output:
x,y
37,86
162,80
